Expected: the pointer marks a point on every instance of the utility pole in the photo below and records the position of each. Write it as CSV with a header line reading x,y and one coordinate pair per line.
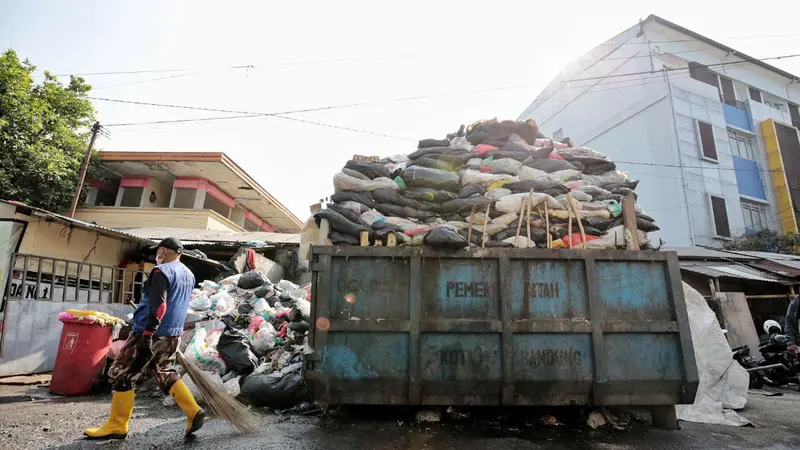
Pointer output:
x,y
95,129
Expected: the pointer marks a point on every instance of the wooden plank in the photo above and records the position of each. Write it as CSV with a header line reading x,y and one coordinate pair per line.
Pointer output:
x,y
324,231
629,220
571,203
391,240
365,238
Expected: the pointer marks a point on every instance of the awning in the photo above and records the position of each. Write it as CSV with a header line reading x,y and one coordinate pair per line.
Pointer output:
x,y
716,270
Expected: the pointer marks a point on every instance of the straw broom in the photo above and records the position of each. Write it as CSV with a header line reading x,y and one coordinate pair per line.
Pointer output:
x,y
221,403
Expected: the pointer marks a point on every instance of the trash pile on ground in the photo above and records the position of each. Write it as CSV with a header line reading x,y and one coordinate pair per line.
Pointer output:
x,y
478,186
251,335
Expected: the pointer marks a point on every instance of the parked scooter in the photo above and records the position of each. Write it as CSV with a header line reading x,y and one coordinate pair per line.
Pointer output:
x,y
776,367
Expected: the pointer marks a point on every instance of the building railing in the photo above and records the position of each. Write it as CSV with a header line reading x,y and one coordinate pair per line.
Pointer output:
x,y
60,280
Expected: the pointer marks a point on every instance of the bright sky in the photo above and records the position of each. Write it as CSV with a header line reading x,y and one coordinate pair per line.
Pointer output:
x,y
313,54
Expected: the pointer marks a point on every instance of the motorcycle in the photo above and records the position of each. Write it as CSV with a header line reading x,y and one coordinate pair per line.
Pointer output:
x,y
775,368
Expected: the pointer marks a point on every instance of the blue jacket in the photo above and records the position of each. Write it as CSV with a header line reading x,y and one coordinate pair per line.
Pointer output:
x,y
180,282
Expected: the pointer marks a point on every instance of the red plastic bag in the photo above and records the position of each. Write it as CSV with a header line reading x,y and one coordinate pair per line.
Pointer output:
x,y
574,239
486,169
416,231
482,149
554,156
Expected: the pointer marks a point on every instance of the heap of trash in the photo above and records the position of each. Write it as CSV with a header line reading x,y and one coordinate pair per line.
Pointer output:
x,y
251,336
490,184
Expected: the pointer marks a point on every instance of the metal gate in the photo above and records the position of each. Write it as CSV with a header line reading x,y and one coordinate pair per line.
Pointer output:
x,y
38,288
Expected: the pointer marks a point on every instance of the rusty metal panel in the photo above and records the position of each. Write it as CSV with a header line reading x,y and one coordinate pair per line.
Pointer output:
x,y
499,326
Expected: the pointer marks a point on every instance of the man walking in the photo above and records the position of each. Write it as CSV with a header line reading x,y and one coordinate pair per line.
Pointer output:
x,y
153,344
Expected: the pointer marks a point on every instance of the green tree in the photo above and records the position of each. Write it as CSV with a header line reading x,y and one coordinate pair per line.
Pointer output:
x,y
766,241
44,132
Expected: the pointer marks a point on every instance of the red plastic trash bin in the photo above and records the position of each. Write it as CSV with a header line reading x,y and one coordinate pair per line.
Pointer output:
x,y
81,356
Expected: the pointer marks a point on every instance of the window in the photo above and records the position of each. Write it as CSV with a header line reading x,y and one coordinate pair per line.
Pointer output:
x,y
216,205
250,226
794,111
720,212
701,73
707,140
755,95
755,216
728,94
132,197
105,198
184,198
741,145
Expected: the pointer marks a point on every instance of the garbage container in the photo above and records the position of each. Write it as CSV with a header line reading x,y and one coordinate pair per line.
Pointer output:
x,y
82,351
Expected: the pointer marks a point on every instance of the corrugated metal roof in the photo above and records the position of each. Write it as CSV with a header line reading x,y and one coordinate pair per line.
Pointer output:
x,y
766,255
707,253
111,232
731,271
789,269
215,237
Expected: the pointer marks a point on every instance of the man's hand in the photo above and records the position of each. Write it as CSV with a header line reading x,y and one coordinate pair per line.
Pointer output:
x,y
793,350
144,343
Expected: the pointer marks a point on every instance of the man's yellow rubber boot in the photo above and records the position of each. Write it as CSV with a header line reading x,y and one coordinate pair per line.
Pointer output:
x,y
195,415
117,425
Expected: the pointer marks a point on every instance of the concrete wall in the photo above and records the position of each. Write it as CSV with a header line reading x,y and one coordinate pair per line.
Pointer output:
x,y
163,193
156,217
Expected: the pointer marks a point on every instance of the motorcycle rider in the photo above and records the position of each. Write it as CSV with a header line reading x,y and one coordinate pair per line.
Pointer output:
x,y
791,326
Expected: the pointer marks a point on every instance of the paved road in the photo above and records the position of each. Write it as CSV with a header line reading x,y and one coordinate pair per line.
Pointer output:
x,y
29,418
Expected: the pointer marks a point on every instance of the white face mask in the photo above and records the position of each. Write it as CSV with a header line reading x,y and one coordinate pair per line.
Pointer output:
x,y
159,258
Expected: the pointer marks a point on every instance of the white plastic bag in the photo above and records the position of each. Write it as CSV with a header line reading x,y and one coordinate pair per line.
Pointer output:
x,y
474,163
200,303
505,165
225,298
264,339
512,203
371,216
304,306
613,176
505,219
406,224
460,143
232,387
567,175
484,179
342,182
231,280
496,194
204,353
522,242
529,173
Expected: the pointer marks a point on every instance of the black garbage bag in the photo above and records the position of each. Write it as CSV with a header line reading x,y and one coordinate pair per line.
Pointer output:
x,y
464,205
578,166
427,143
528,130
432,163
429,195
276,390
365,198
470,190
348,213
244,309
251,280
354,174
625,192
392,197
538,235
428,151
425,177
445,238
537,185
378,226
593,231
403,211
596,222
555,191
550,165
343,239
340,223
234,348
265,290
645,217
491,131
591,166
646,225
455,218
631,184
518,155
372,170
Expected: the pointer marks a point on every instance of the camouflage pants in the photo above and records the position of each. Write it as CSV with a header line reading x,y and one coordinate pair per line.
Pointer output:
x,y
133,363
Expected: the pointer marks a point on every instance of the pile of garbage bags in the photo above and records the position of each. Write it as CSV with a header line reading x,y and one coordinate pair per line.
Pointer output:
x,y
486,185
251,336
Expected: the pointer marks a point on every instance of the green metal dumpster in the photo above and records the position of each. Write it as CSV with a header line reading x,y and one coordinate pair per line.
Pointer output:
x,y
500,326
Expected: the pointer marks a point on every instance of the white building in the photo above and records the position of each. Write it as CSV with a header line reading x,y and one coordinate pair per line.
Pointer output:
x,y
711,132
